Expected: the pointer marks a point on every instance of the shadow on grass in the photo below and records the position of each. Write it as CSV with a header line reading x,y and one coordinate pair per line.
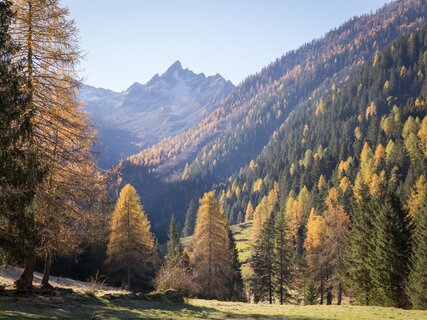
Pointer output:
x,y
81,306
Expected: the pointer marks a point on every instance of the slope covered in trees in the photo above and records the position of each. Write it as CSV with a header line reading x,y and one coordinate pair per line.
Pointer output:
x,y
248,119
350,173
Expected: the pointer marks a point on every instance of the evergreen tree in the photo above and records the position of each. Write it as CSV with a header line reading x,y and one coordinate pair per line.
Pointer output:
x,y
130,244
282,259
21,169
360,243
417,284
158,259
390,257
173,244
262,282
211,258
190,220
309,293
236,280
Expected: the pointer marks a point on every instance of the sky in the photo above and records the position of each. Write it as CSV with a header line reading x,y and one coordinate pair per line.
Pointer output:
x,y
127,41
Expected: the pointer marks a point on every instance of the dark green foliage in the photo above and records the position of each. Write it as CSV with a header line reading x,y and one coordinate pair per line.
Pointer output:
x,y
282,267
417,287
174,245
20,166
158,258
190,220
389,265
236,281
310,293
360,242
262,282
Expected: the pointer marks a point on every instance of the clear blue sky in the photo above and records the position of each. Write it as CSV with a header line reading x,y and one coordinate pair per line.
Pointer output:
x,y
131,40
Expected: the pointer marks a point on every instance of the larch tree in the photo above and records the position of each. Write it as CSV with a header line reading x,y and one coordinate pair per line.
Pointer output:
x,y
130,244
249,212
314,245
211,259
336,235
49,55
173,244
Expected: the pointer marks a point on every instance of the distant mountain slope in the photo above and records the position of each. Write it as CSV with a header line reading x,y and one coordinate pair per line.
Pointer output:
x,y
247,120
143,114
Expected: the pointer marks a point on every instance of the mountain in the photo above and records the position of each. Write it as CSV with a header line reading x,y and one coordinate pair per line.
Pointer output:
x,y
140,116
179,169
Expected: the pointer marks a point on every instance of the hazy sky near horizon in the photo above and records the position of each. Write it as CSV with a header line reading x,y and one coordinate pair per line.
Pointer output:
x,y
129,41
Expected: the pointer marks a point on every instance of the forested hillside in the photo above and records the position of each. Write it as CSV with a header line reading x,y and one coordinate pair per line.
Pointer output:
x,y
345,180
248,119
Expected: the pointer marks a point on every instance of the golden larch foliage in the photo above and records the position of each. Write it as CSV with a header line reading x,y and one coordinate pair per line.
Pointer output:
x,y
211,258
130,244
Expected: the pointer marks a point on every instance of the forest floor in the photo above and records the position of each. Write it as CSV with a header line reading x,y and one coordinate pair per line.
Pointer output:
x,y
83,306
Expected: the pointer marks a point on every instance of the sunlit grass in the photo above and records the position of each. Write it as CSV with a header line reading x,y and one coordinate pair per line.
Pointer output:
x,y
83,307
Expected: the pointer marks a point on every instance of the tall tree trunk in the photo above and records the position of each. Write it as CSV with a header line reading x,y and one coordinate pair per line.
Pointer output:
x,y
321,290
329,296
25,281
46,272
129,278
339,294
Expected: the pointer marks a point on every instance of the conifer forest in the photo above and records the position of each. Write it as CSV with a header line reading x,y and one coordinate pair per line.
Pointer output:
x,y
298,193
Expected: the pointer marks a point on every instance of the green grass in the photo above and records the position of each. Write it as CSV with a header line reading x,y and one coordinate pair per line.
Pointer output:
x,y
81,306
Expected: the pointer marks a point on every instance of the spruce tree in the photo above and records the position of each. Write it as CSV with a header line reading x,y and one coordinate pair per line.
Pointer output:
x,y
173,244
130,244
262,282
190,220
211,258
360,243
236,280
21,168
389,264
282,259
417,284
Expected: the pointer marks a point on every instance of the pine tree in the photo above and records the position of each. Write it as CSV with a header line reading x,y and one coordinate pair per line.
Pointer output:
x,y
390,257
190,220
173,244
211,258
158,259
236,280
21,169
360,243
309,293
417,284
262,282
130,244
282,259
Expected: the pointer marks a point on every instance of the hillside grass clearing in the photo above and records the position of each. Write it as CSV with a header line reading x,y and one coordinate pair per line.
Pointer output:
x,y
81,306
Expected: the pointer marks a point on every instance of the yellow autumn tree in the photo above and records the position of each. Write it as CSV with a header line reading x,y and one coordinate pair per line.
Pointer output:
x,y
416,197
249,212
422,135
211,258
260,216
130,244
314,246
336,234
366,171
